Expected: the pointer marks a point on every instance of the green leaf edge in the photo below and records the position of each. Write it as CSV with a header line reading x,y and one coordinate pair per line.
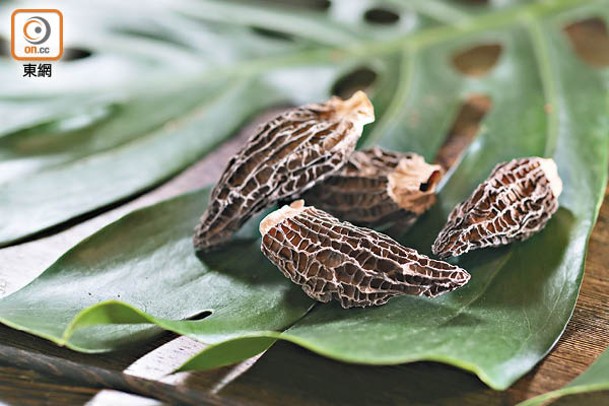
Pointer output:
x,y
259,342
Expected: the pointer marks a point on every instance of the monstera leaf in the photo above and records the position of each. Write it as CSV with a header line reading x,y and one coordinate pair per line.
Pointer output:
x,y
167,81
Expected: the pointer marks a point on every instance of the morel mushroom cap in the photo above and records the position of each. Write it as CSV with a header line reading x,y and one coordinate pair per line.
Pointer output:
x,y
378,187
515,202
284,158
357,266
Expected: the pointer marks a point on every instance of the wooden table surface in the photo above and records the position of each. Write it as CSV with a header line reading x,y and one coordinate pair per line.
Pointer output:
x,y
286,373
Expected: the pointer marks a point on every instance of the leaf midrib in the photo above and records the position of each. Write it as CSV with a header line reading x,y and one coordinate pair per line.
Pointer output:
x,y
547,75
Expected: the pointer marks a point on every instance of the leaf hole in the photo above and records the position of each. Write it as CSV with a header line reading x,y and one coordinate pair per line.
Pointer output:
x,y
74,54
464,129
477,61
381,16
590,41
475,2
320,5
200,315
273,34
358,79
5,48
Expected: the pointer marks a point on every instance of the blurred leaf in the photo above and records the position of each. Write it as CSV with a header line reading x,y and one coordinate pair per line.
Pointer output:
x,y
545,101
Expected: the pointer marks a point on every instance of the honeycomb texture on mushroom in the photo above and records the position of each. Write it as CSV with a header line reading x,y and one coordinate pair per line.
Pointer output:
x,y
515,202
356,266
285,157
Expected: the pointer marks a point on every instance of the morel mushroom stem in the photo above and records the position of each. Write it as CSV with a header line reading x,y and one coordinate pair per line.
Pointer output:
x,y
357,266
515,202
285,157
413,183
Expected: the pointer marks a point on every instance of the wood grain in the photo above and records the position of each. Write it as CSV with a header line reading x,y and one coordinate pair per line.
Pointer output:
x,y
28,388
63,370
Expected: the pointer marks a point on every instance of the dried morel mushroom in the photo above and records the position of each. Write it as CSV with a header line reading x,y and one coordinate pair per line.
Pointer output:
x,y
378,187
516,201
285,157
357,266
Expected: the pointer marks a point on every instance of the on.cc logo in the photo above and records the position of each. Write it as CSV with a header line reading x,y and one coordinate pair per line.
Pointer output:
x,y
36,30
37,34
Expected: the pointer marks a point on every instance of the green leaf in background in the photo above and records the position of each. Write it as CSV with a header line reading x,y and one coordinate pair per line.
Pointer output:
x,y
545,101
594,379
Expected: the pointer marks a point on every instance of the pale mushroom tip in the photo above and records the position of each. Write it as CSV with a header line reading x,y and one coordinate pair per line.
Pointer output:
x,y
548,166
412,184
358,106
279,215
